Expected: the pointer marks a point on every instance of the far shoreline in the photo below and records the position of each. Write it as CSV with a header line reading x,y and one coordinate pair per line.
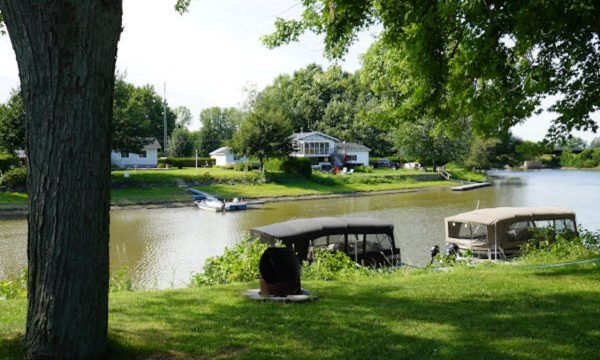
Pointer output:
x,y
13,214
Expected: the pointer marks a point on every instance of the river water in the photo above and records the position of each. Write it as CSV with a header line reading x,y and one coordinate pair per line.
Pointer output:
x,y
162,247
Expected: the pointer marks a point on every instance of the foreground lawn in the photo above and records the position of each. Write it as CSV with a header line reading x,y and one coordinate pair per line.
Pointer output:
x,y
490,312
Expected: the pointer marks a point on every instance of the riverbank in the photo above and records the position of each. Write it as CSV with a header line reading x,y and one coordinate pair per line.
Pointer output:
x,y
489,312
167,188
184,199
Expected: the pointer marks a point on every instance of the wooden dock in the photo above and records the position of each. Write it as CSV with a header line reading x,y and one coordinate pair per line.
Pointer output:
x,y
470,186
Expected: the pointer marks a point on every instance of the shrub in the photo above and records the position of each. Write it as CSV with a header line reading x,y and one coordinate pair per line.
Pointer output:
x,y
8,161
324,179
10,289
297,166
274,164
15,179
545,246
327,265
237,264
186,162
363,169
121,280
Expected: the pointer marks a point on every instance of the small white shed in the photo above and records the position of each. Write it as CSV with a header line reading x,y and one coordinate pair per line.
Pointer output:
x,y
225,157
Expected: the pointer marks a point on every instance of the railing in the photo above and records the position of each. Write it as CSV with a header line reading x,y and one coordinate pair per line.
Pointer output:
x,y
443,173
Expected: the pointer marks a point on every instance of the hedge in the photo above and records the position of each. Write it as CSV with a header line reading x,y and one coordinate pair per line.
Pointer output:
x,y
291,165
187,162
15,179
8,161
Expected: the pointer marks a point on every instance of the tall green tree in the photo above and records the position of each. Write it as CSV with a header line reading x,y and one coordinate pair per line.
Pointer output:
x,y
491,61
66,52
218,127
12,123
264,135
137,116
183,116
180,143
426,141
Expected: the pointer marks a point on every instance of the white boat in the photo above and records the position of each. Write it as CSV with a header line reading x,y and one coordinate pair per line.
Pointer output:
x,y
500,232
210,205
214,204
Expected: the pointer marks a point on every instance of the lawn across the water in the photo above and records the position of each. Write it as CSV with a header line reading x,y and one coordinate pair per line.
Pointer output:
x,y
489,312
131,187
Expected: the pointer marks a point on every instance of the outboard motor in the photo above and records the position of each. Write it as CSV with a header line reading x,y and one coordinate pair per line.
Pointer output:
x,y
451,250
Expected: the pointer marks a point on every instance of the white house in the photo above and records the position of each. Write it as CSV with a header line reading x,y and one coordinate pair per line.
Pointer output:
x,y
323,149
225,157
355,154
148,159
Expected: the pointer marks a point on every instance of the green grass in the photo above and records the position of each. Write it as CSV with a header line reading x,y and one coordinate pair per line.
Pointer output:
x,y
159,186
149,195
12,200
465,175
169,176
302,187
488,312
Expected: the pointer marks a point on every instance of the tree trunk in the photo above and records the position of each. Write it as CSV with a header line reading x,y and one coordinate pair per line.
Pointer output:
x,y
66,52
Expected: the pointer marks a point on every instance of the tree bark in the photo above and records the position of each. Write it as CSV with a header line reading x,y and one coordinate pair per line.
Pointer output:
x,y
66,52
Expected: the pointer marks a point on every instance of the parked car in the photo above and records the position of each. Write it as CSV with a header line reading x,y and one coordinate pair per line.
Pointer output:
x,y
385,163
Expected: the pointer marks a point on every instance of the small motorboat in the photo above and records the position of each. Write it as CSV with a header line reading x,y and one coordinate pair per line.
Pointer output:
x,y
214,204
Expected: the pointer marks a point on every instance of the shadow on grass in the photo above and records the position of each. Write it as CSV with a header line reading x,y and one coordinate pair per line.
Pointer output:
x,y
11,347
374,323
590,271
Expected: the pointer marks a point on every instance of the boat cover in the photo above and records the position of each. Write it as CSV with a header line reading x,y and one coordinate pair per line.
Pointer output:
x,y
312,228
492,216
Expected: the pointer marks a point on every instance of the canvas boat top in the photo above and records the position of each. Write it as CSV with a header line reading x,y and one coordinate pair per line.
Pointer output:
x,y
312,228
492,216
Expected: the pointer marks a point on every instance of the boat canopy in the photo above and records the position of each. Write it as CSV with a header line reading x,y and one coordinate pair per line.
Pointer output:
x,y
493,216
312,228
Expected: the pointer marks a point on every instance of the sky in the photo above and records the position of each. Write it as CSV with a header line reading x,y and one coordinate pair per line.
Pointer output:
x,y
209,55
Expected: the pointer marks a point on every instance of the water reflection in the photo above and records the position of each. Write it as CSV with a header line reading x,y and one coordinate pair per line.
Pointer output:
x,y
163,247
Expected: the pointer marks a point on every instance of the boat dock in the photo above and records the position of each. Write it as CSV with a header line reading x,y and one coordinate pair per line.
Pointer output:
x,y
470,186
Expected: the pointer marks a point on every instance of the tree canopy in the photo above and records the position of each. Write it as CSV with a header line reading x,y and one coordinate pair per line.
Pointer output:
x,y
12,123
137,116
264,135
492,61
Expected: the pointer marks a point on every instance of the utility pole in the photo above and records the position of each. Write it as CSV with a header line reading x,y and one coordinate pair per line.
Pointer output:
x,y
165,118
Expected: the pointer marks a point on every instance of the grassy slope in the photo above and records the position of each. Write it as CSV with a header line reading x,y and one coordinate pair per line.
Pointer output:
x,y
489,312
158,186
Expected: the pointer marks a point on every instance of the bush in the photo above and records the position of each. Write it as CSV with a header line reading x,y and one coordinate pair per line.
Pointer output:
x,y
238,264
290,165
327,265
363,169
121,280
10,289
8,161
545,246
15,179
186,162
297,166
323,179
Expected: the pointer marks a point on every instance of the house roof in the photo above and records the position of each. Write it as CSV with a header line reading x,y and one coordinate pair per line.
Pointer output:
x,y
352,146
224,150
302,135
152,143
